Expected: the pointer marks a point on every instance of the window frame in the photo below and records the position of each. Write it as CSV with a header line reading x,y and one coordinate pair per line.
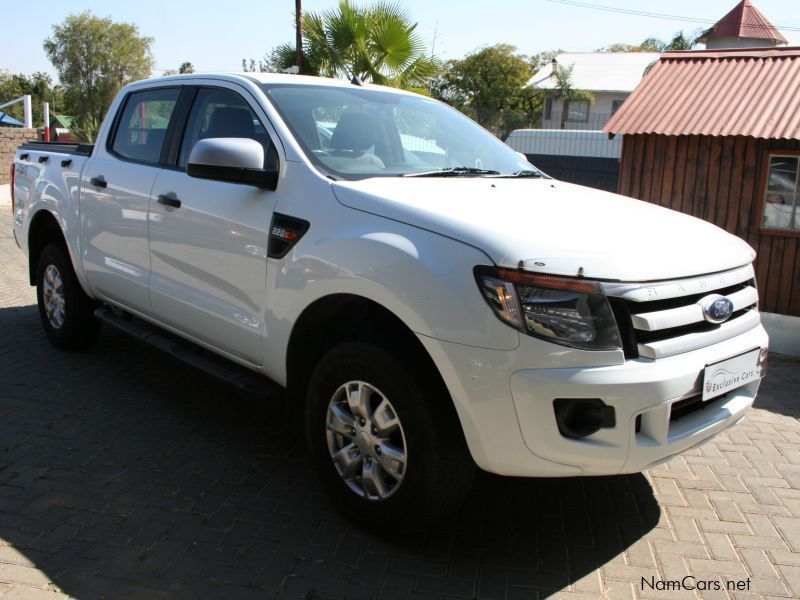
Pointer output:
x,y
615,106
566,108
548,108
188,102
165,145
762,197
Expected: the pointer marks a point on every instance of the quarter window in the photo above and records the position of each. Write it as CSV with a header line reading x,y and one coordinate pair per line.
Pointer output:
x,y
142,126
781,199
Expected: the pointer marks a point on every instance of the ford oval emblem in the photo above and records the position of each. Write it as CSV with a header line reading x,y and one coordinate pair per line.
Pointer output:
x,y
717,309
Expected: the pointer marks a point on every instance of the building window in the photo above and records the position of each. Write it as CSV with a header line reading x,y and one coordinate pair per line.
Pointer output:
x,y
780,202
577,111
548,108
615,104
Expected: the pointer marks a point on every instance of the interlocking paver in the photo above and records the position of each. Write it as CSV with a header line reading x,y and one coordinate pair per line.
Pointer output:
x,y
125,474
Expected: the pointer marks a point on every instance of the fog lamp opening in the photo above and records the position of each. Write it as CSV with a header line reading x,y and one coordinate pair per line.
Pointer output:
x,y
581,417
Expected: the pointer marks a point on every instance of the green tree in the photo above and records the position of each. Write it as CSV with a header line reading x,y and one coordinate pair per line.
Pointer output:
x,y
490,86
41,89
377,43
94,57
186,68
566,91
680,41
649,45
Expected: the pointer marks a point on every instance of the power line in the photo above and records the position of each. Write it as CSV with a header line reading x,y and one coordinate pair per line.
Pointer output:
x,y
642,13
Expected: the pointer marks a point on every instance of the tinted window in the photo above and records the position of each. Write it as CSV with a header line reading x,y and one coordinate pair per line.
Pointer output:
x,y
143,125
221,113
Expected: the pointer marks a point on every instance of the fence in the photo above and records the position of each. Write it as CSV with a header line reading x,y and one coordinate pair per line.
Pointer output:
x,y
579,153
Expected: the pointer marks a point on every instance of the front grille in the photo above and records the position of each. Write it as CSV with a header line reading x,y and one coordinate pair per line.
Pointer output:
x,y
645,337
653,327
622,314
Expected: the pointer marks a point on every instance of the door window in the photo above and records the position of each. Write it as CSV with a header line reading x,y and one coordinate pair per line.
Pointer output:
x,y
220,113
142,126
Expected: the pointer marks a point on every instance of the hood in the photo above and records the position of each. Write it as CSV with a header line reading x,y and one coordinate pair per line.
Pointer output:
x,y
553,227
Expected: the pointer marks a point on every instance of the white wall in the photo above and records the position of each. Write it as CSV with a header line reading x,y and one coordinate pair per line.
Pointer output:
x,y
599,112
737,42
784,333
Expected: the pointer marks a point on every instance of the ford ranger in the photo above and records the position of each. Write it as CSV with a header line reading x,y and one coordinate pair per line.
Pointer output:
x,y
434,301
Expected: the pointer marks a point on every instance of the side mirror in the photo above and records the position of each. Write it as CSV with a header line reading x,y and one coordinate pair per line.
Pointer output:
x,y
237,160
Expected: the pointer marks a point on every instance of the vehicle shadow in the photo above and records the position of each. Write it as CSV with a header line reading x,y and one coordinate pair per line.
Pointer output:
x,y
124,473
778,391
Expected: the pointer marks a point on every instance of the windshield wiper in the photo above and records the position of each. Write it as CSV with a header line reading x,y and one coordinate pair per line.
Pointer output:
x,y
526,173
453,172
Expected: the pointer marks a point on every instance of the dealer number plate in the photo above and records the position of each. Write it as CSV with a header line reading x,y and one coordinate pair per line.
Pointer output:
x,y
730,374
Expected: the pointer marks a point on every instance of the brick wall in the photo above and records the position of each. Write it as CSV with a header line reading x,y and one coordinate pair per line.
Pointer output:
x,y
10,139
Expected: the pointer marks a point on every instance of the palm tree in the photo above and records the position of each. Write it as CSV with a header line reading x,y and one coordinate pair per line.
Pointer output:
x,y
186,68
565,90
376,43
298,38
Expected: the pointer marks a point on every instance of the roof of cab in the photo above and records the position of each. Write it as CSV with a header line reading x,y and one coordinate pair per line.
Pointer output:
x,y
278,78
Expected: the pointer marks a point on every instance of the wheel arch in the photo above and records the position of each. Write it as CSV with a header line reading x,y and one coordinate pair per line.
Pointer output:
x,y
43,230
335,318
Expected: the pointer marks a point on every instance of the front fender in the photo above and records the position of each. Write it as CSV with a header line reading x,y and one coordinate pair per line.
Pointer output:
x,y
425,279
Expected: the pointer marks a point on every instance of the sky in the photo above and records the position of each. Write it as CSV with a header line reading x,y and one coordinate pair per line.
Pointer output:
x,y
215,35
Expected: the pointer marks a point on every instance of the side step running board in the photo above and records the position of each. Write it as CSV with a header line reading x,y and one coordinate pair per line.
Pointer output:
x,y
189,353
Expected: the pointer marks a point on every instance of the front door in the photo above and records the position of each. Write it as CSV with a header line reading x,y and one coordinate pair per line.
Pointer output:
x,y
208,255
116,186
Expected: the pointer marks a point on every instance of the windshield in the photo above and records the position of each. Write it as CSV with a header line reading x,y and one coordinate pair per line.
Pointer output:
x,y
357,132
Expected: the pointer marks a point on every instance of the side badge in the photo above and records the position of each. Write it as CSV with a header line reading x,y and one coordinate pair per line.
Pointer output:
x,y
284,233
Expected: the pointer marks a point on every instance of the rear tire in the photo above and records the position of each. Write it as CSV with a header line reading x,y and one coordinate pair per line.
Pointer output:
x,y
67,313
401,460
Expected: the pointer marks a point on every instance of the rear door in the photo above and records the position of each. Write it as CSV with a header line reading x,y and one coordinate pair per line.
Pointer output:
x,y
116,185
209,255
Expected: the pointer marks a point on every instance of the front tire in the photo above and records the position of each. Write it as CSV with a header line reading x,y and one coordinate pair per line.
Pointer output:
x,y
67,313
385,443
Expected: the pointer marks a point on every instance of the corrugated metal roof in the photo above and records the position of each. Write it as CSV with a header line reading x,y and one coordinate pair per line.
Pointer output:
x,y
754,92
744,21
598,71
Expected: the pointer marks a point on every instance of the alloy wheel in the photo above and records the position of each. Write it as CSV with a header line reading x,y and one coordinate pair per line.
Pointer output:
x,y
366,441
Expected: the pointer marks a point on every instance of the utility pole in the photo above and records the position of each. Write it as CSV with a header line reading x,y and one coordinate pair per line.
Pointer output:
x,y
298,15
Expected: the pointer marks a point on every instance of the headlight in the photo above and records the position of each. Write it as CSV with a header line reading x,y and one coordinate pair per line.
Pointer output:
x,y
566,310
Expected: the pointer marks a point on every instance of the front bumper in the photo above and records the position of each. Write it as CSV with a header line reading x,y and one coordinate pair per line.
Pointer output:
x,y
506,407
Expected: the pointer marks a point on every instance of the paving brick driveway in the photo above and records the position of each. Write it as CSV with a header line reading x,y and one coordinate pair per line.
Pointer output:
x,y
124,474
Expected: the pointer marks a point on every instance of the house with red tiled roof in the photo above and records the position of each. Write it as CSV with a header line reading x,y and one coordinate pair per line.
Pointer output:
x,y
715,133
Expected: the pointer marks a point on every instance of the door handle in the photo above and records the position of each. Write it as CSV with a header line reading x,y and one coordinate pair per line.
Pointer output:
x,y
98,181
169,201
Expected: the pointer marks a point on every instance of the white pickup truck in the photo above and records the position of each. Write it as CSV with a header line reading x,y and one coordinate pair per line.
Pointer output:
x,y
433,300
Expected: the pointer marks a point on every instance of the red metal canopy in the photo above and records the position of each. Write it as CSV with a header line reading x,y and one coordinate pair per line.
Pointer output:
x,y
752,92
